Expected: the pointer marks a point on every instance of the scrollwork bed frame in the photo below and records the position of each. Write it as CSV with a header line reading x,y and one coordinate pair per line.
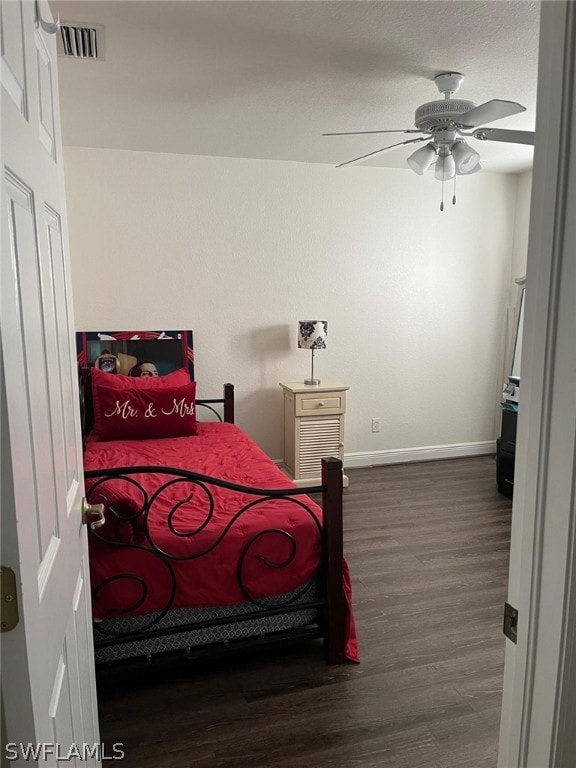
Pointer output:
x,y
322,598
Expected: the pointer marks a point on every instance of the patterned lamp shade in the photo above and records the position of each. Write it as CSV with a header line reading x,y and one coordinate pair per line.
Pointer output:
x,y
312,335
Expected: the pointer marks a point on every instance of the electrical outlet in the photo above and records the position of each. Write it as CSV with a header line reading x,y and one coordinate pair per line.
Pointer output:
x,y
375,425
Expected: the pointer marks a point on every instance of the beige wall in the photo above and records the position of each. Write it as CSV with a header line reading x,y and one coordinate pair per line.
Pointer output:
x,y
240,250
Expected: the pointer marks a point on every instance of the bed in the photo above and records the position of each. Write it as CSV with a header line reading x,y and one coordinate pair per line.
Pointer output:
x,y
206,546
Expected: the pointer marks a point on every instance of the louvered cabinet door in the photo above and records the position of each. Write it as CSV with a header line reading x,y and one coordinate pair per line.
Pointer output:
x,y
313,428
317,438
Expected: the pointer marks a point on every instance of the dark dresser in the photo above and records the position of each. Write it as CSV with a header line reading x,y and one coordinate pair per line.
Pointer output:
x,y
506,452
506,443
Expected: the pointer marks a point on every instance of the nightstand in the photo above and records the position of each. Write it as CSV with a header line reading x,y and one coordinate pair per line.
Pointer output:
x,y
313,428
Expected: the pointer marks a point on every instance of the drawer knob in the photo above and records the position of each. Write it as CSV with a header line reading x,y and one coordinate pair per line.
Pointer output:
x,y
321,404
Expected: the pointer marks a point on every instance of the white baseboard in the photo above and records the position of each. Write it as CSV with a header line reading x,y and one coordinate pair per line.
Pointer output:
x,y
430,453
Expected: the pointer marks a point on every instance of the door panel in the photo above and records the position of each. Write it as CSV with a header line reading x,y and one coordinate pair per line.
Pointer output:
x,y
81,674
26,262
63,362
61,708
12,66
53,366
45,97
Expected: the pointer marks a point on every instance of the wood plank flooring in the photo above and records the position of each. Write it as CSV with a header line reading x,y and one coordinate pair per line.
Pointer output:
x,y
427,546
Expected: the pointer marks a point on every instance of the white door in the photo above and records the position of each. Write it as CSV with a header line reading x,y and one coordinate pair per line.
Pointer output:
x,y
48,685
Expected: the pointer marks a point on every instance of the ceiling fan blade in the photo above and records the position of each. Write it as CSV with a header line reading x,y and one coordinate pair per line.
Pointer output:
x,y
357,133
490,111
381,151
503,134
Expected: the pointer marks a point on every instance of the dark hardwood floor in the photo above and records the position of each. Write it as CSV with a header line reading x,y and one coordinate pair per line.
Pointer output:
x,y
427,546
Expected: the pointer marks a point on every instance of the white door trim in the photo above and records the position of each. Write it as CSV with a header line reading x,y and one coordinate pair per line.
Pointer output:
x,y
539,706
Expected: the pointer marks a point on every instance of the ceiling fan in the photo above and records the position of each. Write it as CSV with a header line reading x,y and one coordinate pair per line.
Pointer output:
x,y
444,123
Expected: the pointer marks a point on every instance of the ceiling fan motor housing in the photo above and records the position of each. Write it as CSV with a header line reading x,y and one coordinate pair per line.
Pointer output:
x,y
440,114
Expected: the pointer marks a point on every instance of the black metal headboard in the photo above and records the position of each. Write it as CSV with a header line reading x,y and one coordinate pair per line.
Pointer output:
x,y
224,413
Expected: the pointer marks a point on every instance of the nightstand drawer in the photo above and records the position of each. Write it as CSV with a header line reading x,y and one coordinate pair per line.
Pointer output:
x,y
328,403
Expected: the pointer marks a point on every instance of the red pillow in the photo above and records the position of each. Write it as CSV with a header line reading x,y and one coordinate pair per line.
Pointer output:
x,y
99,378
136,413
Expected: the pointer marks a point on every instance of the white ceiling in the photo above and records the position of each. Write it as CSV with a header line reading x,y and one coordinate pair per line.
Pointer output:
x,y
266,79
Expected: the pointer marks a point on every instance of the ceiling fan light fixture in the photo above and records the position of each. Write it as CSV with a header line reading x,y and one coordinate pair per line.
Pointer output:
x,y
466,158
474,169
422,159
445,168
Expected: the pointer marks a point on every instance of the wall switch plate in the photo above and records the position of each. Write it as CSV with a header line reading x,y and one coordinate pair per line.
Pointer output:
x,y
375,425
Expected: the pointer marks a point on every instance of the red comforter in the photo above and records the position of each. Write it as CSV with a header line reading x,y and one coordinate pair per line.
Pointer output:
x,y
271,565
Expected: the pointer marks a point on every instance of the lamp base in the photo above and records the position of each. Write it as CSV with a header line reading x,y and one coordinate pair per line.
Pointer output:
x,y
314,382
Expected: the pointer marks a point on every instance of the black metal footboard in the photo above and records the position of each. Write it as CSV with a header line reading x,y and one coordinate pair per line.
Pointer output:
x,y
126,530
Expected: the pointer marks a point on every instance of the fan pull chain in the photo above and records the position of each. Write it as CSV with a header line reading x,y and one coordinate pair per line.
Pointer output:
x,y
454,195
443,169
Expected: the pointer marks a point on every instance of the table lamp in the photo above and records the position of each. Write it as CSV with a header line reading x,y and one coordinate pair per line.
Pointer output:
x,y
312,335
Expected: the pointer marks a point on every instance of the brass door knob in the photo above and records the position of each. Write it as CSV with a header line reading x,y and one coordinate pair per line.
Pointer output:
x,y
88,510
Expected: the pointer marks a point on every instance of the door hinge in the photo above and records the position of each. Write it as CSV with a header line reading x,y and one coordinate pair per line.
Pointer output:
x,y
510,628
9,602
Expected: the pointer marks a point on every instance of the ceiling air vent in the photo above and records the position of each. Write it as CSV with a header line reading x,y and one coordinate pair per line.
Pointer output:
x,y
81,41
